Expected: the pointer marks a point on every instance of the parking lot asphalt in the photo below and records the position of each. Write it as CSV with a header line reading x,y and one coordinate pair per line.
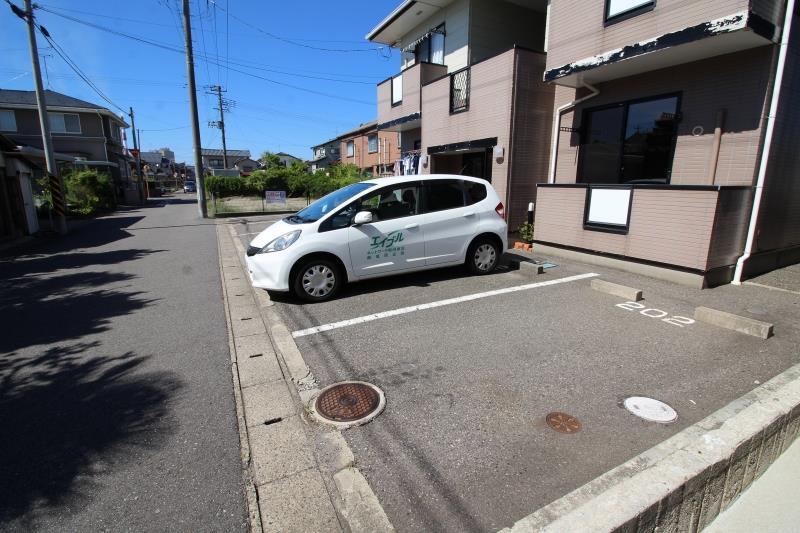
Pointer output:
x,y
463,443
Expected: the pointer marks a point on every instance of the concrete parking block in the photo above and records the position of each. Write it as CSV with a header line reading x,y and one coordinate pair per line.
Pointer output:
x,y
629,293
267,401
262,368
299,503
531,268
748,326
279,450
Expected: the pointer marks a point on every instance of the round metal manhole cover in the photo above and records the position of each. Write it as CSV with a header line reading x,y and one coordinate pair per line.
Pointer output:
x,y
349,403
563,423
650,409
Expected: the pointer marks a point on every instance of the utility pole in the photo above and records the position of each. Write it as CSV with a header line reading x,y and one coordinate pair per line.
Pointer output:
x,y
138,155
56,184
224,105
198,161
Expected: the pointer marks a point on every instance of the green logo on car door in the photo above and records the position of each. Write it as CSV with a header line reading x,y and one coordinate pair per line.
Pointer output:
x,y
386,246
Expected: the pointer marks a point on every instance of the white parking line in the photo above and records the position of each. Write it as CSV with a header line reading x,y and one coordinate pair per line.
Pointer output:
x,y
440,303
243,234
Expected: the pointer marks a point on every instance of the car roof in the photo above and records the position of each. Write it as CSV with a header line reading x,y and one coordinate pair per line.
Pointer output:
x,y
380,182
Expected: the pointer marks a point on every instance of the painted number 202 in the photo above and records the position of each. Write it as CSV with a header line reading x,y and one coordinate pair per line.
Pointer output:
x,y
679,321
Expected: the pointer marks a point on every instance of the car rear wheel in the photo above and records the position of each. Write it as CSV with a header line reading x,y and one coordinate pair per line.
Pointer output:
x,y
317,280
483,256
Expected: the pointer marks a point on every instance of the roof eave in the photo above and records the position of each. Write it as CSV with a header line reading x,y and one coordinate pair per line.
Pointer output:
x,y
394,15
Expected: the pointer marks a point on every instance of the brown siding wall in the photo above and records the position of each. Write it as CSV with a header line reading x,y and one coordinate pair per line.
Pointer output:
x,y
730,227
577,27
366,160
671,227
412,80
736,82
779,221
533,119
489,113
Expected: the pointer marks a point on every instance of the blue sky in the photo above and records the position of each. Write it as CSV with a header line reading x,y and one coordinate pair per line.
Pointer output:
x,y
281,41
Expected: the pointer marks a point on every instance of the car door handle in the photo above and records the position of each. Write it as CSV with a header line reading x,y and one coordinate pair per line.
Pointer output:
x,y
470,214
412,226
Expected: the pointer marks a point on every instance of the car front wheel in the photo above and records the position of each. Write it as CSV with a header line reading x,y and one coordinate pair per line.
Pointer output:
x,y
317,280
483,256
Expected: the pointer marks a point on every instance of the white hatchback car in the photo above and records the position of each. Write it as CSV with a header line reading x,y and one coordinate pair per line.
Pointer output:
x,y
378,228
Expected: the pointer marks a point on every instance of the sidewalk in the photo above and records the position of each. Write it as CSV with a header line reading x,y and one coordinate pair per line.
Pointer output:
x,y
770,504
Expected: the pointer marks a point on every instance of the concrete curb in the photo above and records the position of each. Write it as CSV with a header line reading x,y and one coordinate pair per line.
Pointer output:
x,y
629,293
742,324
683,483
251,496
317,488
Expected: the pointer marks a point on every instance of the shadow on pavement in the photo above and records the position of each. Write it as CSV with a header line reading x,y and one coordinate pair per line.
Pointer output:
x,y
67,417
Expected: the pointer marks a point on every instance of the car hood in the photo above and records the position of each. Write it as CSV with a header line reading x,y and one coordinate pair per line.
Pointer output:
x,y
273,232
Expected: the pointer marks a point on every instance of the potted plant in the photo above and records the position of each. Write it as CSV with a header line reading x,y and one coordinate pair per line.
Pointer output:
x,y
526,235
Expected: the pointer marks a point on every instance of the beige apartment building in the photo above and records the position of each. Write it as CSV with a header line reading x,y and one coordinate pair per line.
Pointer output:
x,y
470,97
373,151
675,135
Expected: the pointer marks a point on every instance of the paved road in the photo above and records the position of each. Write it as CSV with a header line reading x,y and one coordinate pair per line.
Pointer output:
x,y
462,444
116,403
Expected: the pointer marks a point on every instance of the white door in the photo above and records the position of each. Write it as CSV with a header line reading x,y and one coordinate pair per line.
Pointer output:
x,y
394,241
449,224
27,199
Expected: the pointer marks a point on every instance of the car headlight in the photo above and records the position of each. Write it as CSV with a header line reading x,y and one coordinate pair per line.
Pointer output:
x,y
282,242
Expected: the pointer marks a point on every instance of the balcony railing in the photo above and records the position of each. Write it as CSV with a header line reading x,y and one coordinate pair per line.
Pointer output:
x,y
459,90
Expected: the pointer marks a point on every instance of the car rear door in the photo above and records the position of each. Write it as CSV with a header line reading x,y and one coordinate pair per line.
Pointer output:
x,y
394,240
449,224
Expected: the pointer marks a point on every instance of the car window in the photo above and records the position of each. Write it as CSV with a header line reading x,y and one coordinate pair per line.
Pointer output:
x,y
443,194
475,192
392,202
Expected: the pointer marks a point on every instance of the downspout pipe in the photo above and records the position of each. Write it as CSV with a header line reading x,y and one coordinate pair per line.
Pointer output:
x,y
557,127
762,169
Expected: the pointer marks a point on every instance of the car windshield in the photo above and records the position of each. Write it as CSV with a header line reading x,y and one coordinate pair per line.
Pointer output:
x,y
328,203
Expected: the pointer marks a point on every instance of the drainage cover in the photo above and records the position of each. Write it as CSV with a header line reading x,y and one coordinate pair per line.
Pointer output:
x,y
563,423
650,409
349,403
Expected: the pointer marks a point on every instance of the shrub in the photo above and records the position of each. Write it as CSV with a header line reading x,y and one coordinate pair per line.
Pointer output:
x,y
526,232
89,191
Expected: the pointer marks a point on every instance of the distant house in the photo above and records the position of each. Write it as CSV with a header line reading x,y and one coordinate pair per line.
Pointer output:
x,y
213,158
90,134
246,165
372,151
159,162
324,155
288,159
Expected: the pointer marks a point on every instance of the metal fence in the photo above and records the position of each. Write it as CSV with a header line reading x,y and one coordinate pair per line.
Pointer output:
x,y
459,90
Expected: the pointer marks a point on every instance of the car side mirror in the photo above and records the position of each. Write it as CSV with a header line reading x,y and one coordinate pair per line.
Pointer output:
x,y
362,217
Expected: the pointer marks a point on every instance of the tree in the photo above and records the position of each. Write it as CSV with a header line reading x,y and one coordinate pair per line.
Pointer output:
x,y
269,160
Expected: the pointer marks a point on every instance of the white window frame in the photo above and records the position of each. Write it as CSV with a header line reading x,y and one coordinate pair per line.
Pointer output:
x,y
55,127
12,122
622,9
351,149
397,90
370,139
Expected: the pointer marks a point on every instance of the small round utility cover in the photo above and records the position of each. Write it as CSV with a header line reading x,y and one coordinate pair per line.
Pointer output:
x,y
347,404
650,409
563,423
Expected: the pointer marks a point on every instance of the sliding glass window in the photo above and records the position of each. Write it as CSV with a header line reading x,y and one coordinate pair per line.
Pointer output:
x,y
629,142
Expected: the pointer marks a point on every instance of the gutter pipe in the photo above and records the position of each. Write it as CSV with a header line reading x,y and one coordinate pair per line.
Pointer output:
x,y
557,127
762,169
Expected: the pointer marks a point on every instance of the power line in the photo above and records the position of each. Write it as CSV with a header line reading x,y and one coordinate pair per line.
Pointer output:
x,y
295,42
63,54
172,49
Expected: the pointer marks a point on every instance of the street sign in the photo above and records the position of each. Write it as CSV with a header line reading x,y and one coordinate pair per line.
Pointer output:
x,y
275,197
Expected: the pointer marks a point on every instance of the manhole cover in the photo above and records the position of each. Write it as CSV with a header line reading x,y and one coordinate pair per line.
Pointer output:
x,y
349,403
650,409
563,423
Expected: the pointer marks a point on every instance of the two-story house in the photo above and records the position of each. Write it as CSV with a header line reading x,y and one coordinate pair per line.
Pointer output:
x,y
373,151
324,155
470,97
213,158
676,124
91,134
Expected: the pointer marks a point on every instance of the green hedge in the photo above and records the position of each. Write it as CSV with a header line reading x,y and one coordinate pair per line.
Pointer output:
x,y
89,192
